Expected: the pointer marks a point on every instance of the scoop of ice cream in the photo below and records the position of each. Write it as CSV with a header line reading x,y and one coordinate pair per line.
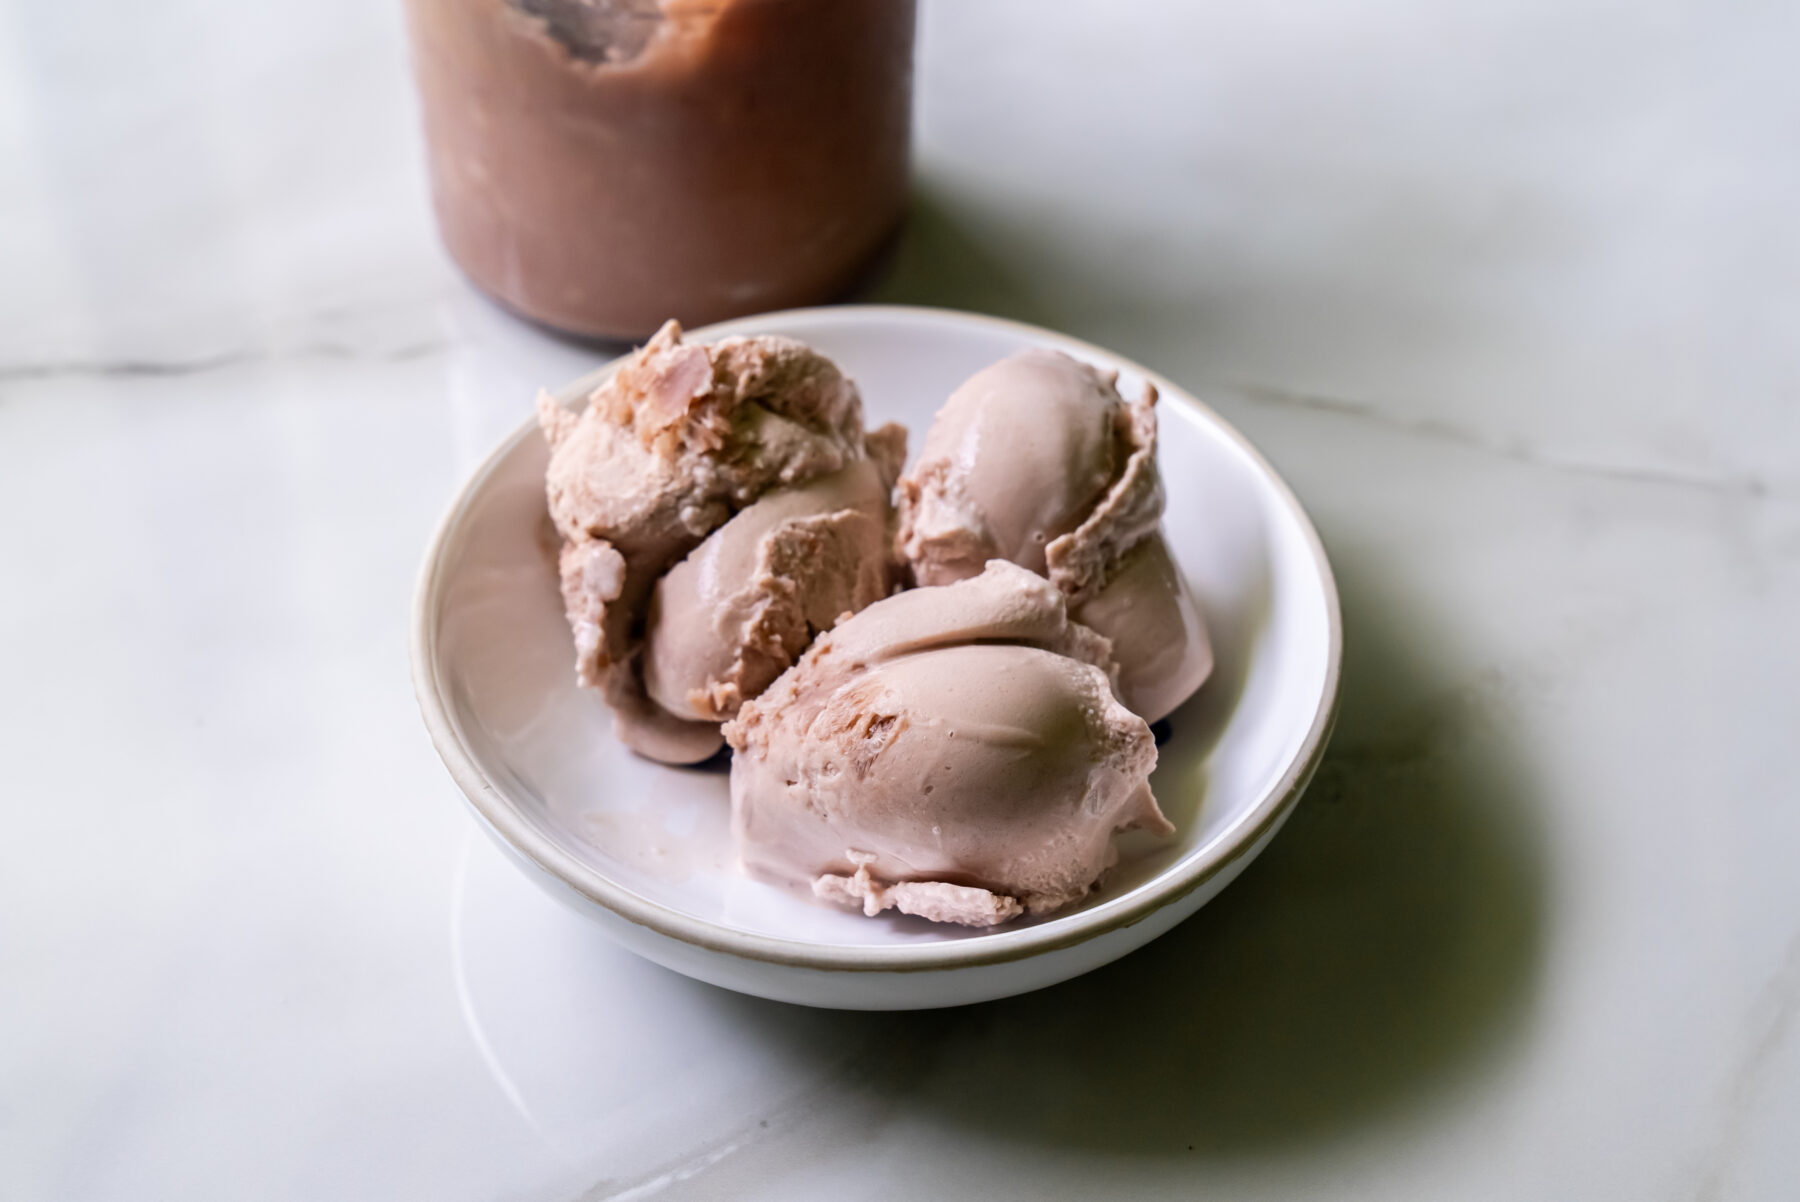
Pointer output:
x,y
1037,459
681,437
955,753
1147,612
745,603
1023,454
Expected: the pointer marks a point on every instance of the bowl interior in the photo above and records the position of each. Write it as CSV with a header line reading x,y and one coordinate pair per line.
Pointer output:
x,y
502,655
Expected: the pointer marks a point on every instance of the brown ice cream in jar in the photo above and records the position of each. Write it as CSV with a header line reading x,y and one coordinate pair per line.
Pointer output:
x,y
603,165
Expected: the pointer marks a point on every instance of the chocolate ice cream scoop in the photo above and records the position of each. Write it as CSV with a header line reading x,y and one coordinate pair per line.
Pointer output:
x,y
745,603
1147,611
1037,459
1019,456
674,443
951,752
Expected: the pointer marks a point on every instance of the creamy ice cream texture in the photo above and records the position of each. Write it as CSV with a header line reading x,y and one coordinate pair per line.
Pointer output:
x,y
745,603
951,752
758,441
964,751
1038,460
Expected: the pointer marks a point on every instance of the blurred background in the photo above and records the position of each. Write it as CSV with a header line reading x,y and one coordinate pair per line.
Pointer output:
x,y
1509,292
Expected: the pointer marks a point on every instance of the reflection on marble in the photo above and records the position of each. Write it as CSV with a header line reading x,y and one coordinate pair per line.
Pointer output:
x,y
1506,290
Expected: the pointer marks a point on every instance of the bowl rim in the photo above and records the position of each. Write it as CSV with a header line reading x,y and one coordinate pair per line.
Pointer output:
x,y
503,819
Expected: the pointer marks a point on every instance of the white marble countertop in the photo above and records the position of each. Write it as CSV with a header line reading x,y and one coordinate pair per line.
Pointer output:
x,y
1510,292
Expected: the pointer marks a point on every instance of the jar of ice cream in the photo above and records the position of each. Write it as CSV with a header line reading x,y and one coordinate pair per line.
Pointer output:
x,y
603,165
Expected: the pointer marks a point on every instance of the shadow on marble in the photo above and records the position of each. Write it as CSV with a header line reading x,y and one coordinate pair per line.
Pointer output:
x,y
943,258
1384,948
1231,298
1386,943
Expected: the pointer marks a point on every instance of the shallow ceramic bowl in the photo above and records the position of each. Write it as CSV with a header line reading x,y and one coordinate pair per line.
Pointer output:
x,y
644,849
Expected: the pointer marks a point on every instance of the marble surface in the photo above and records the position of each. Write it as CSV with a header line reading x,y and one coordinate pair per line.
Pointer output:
x,y
1510,292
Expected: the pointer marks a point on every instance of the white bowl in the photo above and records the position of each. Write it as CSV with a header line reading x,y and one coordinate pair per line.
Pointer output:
x,y
644,850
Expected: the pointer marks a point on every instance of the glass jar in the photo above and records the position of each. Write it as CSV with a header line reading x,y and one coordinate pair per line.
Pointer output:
x,y
603,165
